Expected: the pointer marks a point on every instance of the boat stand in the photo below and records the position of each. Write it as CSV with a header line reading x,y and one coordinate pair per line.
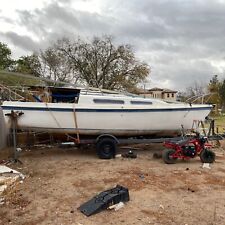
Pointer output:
x,y
208,131
14,117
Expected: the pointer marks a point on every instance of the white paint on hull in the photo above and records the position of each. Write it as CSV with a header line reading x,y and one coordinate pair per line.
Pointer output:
x,y
93,119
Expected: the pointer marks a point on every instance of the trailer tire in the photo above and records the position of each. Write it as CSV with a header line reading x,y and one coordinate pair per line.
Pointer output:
x,y
207,156
166,155
106,148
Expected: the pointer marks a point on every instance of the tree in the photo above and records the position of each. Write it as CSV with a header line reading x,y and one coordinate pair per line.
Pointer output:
x,y
213,87
222,95
195,93
98,63
5,57
196,89
29,65
214,84
56,65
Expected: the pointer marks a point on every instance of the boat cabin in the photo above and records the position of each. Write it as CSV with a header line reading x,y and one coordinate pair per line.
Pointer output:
x,y
53,94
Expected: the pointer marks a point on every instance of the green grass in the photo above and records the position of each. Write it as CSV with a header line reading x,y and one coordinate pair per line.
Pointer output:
x,y
220,123
15,79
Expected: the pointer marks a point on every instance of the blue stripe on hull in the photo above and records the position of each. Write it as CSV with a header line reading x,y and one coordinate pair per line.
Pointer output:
x,y
102,110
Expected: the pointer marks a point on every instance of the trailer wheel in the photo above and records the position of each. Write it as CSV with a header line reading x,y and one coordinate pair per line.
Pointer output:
x,y
207,156
106,148
167,156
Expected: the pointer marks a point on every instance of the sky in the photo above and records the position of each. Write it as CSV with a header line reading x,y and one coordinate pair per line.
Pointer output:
x,y
183,41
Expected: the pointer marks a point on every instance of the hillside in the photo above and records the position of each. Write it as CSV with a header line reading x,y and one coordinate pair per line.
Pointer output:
x,y
17,79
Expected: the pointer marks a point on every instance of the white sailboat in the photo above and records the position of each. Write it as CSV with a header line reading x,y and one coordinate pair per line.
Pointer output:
x,y
95,113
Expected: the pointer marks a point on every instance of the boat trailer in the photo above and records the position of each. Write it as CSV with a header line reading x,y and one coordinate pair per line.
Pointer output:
x,y
107,144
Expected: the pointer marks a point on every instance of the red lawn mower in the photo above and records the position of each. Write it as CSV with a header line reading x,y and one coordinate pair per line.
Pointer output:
x,y
187,149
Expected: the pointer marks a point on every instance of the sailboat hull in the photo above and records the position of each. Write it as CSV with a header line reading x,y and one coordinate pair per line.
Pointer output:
x,y
92,120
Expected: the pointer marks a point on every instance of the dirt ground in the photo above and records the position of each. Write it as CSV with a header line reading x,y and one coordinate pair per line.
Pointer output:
x,y
59,180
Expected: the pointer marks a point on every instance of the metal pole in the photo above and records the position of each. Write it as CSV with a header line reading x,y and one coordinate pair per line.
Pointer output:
x,y
14,139
13,116
213,127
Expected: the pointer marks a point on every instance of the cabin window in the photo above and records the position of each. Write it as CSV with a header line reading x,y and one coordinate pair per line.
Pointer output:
x,y
172,94
140,103
65,96
108,101
168,95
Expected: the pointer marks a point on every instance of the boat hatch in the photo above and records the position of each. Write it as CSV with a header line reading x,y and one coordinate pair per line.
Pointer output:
x,y
108,101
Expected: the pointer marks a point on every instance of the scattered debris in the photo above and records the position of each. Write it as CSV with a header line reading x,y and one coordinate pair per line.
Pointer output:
x,y
19,149
104,200
129,154
7,170
2,201
191,190
8,177
42,146
3,161
117,206
206,165
2,187
67,144
113,206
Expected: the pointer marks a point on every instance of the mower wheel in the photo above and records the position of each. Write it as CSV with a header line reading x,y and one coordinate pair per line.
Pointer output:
x,y
167,156
207,156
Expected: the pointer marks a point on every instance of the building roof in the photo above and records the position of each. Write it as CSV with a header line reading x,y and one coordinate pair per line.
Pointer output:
x,y
155,89
163,90
168,91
